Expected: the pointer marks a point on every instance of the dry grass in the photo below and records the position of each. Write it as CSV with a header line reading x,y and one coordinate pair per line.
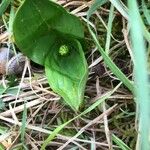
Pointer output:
x,y
45,109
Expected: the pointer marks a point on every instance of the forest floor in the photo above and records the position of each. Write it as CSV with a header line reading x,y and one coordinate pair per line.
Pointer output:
x,y
109,125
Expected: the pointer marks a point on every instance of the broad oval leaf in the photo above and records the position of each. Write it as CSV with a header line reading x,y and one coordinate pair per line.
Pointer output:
x,y
39,23
67,74
50,36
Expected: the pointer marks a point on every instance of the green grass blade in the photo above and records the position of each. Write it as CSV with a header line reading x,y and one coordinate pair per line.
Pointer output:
x,y
23,127
111,65
106,58
11,19
109,27
141,77
120,143
93,106
96,5
146,34
146,11
120,8
124,13
3,6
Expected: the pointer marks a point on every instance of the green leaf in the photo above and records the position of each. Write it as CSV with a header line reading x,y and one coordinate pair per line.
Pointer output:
x,y
3,6
39,23
120,143
92,107
50,36
67,72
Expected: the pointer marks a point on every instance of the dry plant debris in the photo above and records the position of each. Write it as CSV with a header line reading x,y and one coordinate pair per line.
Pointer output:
x,y
45,110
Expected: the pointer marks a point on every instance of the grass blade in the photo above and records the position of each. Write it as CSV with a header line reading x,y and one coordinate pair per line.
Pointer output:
x,y
3,6
23,127
106,58
125,14
120,8
141,77
93,106
146,11
109,26
146,34
96,5
120,143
